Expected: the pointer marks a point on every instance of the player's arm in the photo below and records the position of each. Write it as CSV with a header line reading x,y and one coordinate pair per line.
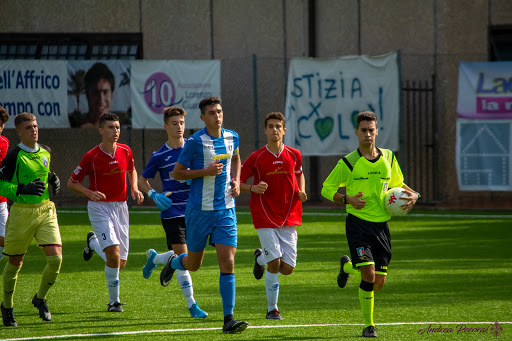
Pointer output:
x,y
181,173
136,194
301,181
162,201
334,181
236,165
78,188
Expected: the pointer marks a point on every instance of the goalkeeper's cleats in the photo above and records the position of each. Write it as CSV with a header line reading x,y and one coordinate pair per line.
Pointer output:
x,y
88,252
274,315
40,304
150,265
233,326
167,272
197,312
115,307
343,276
258,270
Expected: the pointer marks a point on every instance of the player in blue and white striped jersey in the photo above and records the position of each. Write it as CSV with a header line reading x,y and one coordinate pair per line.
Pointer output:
x,y
214,162
172,202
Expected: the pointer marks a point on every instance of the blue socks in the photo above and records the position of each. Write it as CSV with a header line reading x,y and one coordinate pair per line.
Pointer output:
x,y
227,292
177,262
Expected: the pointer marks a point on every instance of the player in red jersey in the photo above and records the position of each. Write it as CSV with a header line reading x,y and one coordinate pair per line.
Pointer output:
x,y
277,194
4,145
107,165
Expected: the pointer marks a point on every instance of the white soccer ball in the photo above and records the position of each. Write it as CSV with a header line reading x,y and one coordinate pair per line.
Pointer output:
x,y
392,201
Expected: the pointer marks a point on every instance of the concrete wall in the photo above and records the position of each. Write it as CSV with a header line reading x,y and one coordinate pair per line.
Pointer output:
x,y
432,35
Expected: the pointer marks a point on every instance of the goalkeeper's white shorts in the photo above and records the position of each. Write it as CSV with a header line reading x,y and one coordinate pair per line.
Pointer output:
x,y
279,242
110,223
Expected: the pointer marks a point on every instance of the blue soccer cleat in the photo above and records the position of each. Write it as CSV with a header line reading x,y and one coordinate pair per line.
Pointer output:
x,y
196,312
150,266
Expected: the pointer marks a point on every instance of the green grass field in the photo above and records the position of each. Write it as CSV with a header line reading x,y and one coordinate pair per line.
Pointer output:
x,y
447,268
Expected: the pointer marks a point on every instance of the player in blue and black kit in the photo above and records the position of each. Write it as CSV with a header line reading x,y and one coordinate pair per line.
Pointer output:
x,y
214,162
172,207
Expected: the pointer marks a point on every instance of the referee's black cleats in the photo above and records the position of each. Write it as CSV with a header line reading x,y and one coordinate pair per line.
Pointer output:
x,y
167,272
44,312
343,276
8,316
258,270
88,252
370,331
233,326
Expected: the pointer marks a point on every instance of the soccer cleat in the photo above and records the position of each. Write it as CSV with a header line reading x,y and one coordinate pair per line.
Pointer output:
x,y
343,276
167,272
370,331
87,250
150,266
258,270
40,304
8,316
115,307
274,315
234,326
196,312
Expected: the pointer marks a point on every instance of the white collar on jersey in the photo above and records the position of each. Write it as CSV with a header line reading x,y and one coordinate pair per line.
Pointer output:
x,y
28,149
278,155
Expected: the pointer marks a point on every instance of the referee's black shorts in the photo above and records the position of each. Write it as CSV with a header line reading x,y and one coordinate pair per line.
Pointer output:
x,y
175,231
369,243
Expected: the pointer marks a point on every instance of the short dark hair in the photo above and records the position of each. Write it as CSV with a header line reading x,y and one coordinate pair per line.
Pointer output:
x,y
23,117
275,116
107,117
208,101
95,73
173,111
4,116
366,116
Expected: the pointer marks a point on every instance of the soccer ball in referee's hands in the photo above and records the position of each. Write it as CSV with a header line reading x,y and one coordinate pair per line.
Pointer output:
x,y
392,201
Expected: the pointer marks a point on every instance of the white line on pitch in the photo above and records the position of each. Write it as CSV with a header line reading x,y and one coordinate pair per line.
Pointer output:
x,y
250,327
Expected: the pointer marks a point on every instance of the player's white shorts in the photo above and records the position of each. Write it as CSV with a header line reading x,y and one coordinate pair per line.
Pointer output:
x,y
4,213
110,223
279,242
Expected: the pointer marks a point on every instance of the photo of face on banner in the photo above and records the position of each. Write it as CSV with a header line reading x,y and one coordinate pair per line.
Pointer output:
x,y
103,88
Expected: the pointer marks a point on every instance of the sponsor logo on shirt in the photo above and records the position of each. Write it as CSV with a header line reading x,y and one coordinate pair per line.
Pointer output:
x,y
276,162
113,162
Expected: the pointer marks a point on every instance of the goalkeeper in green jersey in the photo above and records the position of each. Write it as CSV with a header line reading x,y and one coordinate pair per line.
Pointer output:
x,y
367,173
24,175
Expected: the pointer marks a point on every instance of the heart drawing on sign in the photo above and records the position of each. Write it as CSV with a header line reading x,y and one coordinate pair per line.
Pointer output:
x,y
323,127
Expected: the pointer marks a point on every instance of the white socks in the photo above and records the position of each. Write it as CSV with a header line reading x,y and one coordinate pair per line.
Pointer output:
x,y
95,245
162,258
272,289
261,260
185,282
112,275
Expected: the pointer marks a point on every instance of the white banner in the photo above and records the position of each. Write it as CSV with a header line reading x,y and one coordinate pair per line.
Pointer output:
x,y
37,87
107,83
325,95
484,155
485,90
159,84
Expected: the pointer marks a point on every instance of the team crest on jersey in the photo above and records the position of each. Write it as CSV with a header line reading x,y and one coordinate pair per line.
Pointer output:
x,y
45,161
360,251
386,186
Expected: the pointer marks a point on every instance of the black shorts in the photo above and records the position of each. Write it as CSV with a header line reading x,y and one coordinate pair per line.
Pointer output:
x,y
175,231
369,243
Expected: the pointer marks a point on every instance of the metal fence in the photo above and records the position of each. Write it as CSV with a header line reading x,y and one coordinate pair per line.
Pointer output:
x,y
251,88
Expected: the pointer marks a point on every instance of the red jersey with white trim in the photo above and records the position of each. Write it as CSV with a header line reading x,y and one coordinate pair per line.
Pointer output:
x,y
280,204
107,173
4,145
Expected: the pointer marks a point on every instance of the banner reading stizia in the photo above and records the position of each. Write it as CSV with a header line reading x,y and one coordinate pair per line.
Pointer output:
x,y
325,95
159,84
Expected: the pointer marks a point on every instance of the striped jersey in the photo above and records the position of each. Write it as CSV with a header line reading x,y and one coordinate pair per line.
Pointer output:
x,y
210,192
279,205
163,162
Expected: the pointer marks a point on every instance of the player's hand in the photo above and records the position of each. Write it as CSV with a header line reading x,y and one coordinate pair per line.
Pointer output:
x,y
54,180
302,195
97,196
215,168
259,188
356,201
162,201
410,199
35,187
137,195
235,188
